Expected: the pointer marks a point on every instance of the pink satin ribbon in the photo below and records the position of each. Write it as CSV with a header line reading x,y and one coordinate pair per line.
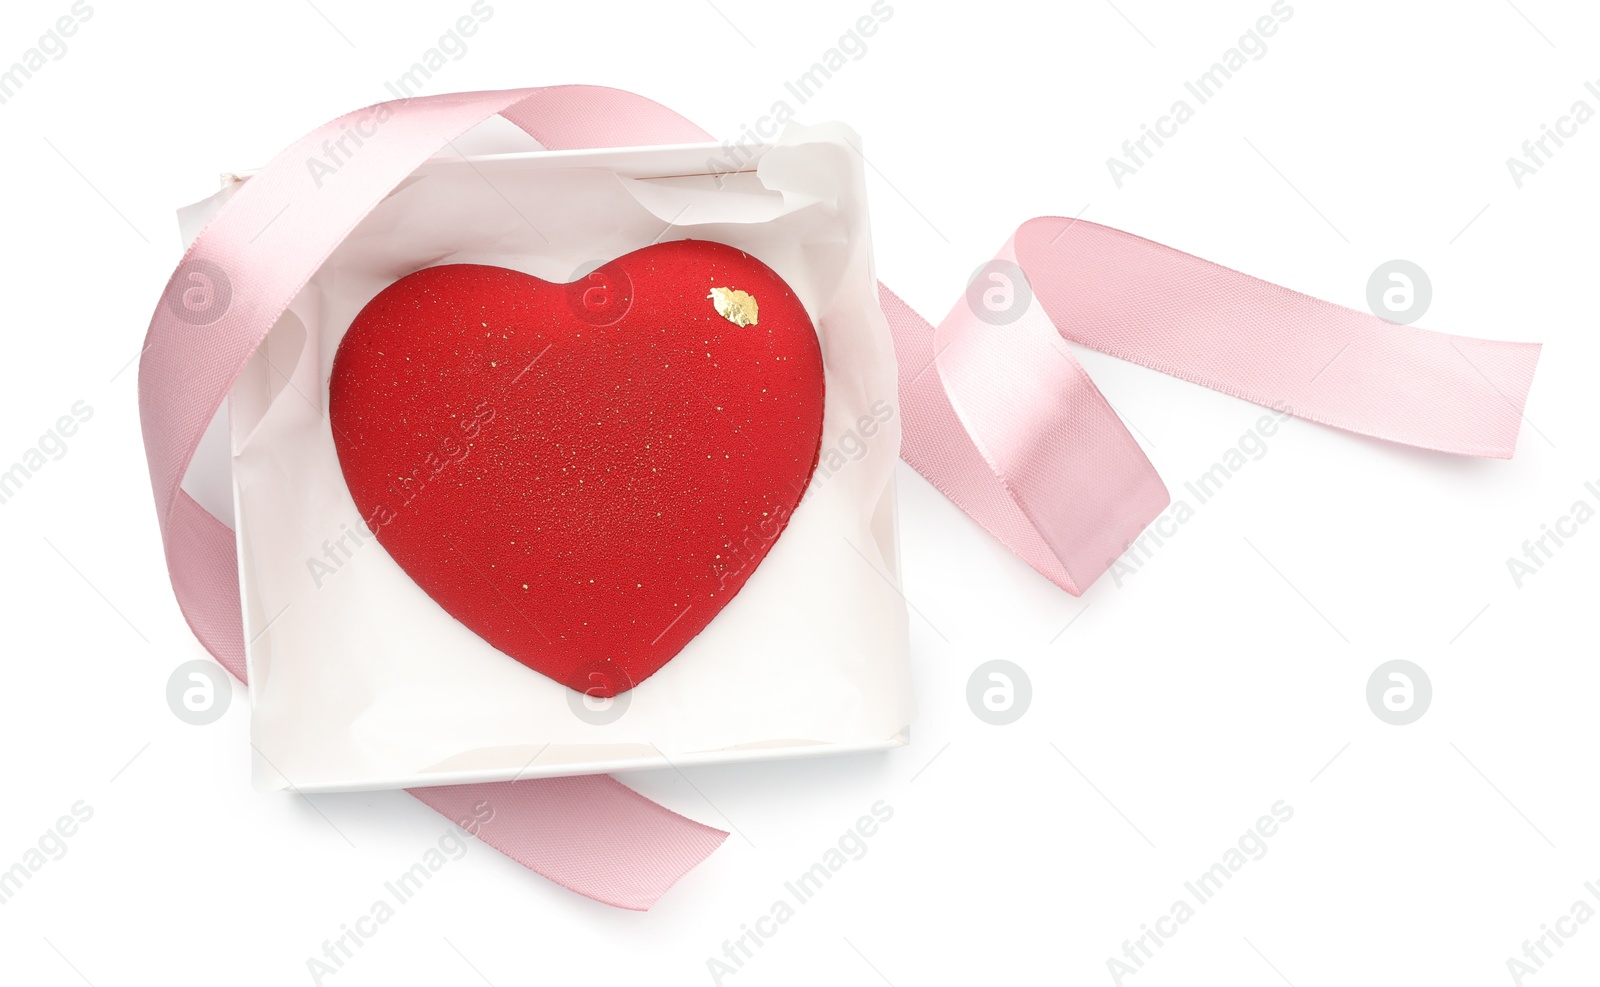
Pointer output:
x,y
996,413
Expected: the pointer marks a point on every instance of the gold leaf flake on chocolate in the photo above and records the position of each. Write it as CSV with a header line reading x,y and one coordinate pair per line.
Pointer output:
x,y
738,307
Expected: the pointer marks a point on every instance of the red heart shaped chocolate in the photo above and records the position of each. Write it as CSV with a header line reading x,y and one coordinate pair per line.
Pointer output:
x,y
583,474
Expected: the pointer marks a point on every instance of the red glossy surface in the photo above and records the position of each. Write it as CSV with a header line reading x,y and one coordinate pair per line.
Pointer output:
x,y
582,474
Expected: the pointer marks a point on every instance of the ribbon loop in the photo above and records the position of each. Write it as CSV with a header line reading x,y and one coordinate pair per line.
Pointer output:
x,y
1002,419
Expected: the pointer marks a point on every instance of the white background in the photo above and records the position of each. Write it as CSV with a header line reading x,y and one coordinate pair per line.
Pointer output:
x,y
1227,674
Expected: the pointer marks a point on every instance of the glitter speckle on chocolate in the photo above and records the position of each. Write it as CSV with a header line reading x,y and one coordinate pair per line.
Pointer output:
x,y
734,305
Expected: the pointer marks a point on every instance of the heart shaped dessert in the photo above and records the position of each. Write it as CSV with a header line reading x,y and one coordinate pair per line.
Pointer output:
x,y
583,474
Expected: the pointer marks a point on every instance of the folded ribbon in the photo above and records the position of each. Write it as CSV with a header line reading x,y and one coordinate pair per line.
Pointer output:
x,y
995,411
1012,429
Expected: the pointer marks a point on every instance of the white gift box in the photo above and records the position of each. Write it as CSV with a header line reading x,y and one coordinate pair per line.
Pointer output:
x,y
359,680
